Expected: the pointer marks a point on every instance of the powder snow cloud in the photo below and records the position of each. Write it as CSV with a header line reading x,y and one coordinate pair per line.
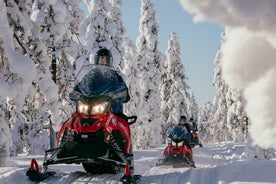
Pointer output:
x,y
248,56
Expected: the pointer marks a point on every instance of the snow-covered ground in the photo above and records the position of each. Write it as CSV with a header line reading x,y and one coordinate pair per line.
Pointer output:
x,y
217,163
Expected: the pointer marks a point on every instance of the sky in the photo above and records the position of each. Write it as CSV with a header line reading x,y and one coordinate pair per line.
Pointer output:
x,y
199,42
222,163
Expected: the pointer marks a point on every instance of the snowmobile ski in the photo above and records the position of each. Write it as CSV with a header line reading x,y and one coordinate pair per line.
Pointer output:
x,y
35,175
130,180
175,164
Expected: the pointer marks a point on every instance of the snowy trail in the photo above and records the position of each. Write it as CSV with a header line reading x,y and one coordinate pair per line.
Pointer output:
x,y
217,163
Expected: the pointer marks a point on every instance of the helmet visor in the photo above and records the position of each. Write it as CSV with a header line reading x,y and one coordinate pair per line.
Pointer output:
x,y
182,121
103,60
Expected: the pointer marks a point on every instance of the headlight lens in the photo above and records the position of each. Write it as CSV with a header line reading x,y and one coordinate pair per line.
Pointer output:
x,y
99,109
174,143
177,144
92,110
83,108
180,143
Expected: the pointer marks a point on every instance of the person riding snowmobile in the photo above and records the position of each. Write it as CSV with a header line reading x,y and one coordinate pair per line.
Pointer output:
x,y
104,57
194,138
184,128
97,135
103,79
179,152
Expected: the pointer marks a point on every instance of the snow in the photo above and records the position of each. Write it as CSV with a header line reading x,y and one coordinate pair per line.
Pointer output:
x,y
216,163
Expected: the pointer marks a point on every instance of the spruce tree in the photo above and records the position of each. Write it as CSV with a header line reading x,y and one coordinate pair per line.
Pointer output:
x,y
174,86
149,65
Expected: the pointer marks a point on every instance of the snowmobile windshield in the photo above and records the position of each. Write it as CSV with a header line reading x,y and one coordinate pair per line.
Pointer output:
x,y
97,80
177,134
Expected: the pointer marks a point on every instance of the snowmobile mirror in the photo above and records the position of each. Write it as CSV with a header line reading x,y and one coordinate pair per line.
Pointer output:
x,y
131,119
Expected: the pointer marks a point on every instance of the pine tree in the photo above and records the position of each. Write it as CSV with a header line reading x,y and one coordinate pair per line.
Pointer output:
x,y
149,65
236,116
5,136
103,28
192,107
174,87
219,128
205,116
15,61
229,121
130,70
117,34
38,29
68,49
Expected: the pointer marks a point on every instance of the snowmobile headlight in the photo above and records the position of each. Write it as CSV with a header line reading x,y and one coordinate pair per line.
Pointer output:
x,y
180,143
174,143
177,144
83,108
99,108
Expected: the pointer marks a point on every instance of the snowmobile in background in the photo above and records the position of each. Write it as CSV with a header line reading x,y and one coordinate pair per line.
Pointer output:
x,y
194,139
178,153
94,136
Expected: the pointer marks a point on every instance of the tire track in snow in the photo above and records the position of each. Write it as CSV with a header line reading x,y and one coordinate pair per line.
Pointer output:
x,y
80,177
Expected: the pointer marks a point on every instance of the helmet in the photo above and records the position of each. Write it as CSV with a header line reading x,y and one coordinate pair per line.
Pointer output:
x,y
103,57
182,120
191,119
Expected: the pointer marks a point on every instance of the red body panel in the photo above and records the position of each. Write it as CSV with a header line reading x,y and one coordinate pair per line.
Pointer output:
x,y
109,122
178,150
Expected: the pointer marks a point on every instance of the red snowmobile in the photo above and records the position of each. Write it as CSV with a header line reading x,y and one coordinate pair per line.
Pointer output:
x,y
94,136
194,139
178,153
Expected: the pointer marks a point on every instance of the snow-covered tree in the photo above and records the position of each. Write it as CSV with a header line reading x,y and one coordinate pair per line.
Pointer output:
x,y
67,50
192,107
174,87
31,39
237,121
219,128
52,19
103,28
149,65
117,33
132,81
5,136
94,30
229,122
130,70
205,115
17,69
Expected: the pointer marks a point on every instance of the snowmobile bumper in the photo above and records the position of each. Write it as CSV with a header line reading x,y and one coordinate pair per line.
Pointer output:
x,y
177,161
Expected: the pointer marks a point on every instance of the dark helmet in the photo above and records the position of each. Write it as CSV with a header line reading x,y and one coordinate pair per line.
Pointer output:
x,y
182,120
103,57
191,119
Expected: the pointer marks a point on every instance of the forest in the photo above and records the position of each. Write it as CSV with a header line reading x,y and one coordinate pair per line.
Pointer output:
x,y
43,44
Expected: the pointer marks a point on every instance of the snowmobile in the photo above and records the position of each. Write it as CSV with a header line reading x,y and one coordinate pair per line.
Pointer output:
x,y
194,139
94,136
178,153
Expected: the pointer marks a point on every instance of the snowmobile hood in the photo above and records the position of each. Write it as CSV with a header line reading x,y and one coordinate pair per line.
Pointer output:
x,y
177,133
96,80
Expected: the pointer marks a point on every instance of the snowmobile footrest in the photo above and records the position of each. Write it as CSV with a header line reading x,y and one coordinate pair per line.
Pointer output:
x,y
110,162
68,160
